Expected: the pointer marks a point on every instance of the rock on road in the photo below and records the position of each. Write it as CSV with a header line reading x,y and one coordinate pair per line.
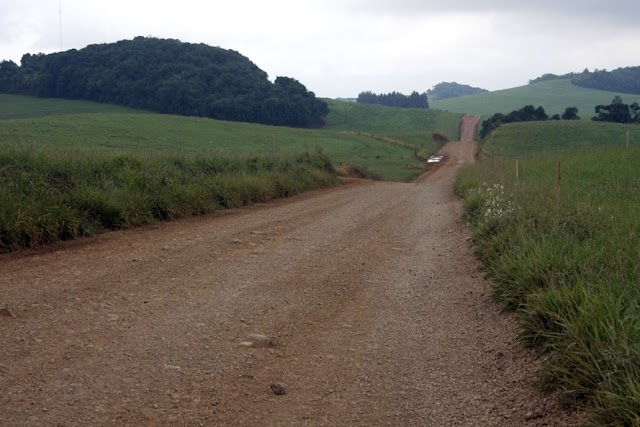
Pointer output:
x,y
359,305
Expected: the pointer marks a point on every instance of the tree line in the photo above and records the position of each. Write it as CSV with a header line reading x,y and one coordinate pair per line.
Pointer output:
x,y
616,112
167,76
395,99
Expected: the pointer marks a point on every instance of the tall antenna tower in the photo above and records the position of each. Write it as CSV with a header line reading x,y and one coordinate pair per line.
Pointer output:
x,y
60,9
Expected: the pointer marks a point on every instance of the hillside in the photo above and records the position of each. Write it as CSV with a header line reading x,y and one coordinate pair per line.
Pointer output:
x,y
624,80
553,95
166,76
79,126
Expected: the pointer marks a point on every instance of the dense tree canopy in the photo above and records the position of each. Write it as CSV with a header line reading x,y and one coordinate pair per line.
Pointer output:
x,y
446,90
395,99
166,76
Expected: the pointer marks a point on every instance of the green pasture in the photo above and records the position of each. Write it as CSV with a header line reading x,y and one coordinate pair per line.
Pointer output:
x,y
521,139
160,134
23,107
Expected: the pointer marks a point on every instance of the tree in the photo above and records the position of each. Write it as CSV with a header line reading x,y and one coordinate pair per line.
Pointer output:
x,y
570,113
616,112
167,76
8,71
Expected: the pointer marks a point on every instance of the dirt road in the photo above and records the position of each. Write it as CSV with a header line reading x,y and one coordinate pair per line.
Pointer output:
x,y
376,307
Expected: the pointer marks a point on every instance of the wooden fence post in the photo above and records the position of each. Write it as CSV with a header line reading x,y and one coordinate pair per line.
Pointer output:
x,y
558,186
517,172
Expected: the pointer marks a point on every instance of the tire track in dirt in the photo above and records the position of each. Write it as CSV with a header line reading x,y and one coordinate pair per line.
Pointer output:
x,y
376,305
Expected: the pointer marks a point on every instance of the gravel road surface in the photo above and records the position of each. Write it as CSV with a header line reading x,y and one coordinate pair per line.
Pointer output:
x,y
361,305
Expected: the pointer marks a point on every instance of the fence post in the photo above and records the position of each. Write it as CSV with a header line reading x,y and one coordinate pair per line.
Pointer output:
x,y
627,138
558,186
517,171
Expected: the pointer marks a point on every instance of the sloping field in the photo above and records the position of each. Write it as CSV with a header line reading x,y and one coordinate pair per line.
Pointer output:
x,y
80,125
554,96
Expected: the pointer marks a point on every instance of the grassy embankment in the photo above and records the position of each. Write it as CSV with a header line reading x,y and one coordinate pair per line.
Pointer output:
x,y
553,95
569,272
72,174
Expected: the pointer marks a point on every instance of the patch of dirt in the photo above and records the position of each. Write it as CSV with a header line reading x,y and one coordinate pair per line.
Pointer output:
x,y
360,305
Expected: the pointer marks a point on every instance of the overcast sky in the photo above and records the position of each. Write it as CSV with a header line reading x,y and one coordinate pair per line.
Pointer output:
x,y
338,48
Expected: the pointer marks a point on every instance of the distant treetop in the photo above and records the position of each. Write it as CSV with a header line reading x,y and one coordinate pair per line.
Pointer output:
x,y
446,90
166,76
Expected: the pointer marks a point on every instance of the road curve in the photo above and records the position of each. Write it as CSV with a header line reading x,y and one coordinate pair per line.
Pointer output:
x,y
377,309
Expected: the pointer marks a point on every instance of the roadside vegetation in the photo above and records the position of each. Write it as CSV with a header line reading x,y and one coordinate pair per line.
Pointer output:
x,y
60,194
566,261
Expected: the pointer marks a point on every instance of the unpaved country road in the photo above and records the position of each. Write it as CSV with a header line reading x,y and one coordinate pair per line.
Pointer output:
x,y
376,306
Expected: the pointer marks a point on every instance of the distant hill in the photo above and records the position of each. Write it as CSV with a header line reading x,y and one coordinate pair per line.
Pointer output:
x,y
553,95
446,90
623,80
166,76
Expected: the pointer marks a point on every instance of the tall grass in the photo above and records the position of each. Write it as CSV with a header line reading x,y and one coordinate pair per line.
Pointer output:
x,y
49,195
571,272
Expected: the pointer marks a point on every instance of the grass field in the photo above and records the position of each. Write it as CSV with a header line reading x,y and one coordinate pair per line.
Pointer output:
x,y
378,119
569,271
553,95
521,139
153,133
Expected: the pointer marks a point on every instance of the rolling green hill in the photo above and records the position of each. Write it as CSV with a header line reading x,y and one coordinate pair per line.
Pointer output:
x,y
553,95
86,126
